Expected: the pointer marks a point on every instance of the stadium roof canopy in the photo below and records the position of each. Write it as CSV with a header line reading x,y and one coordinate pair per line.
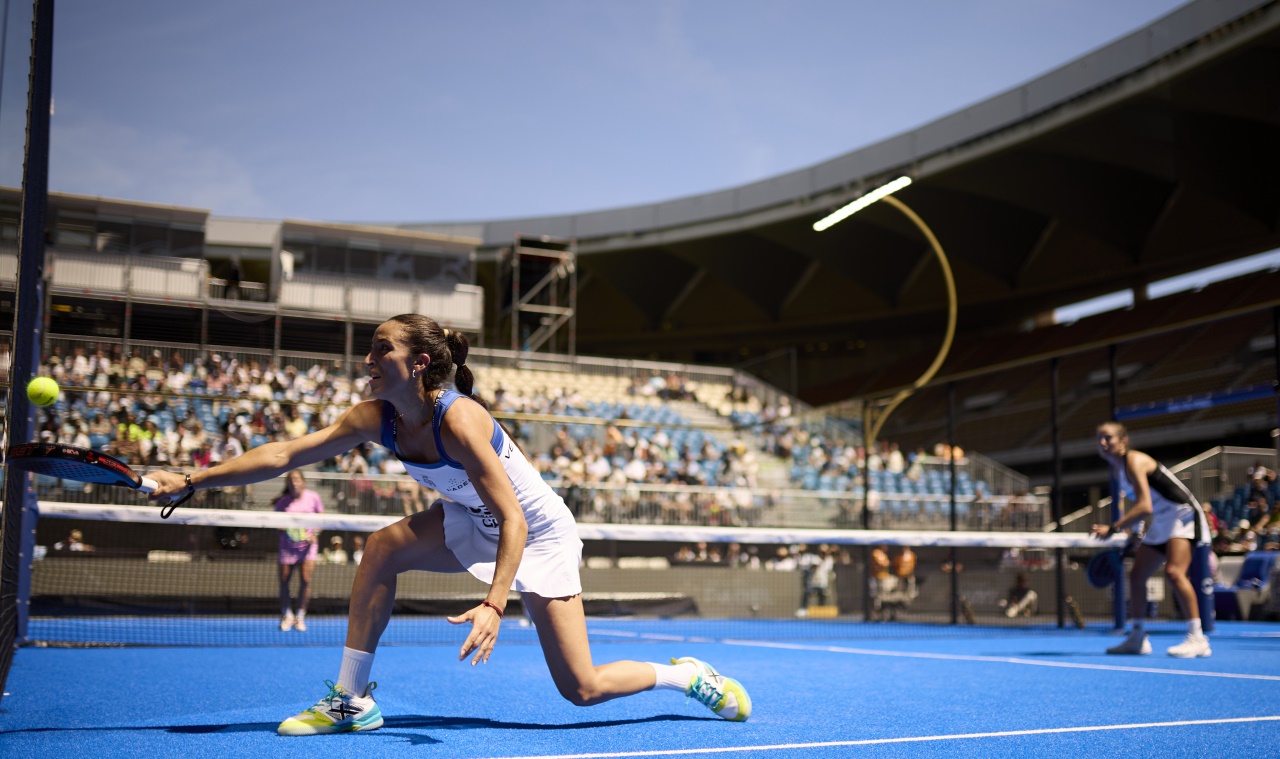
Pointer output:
x,y
1152,156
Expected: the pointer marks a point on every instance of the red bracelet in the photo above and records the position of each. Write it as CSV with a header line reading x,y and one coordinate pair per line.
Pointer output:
x,y
493,606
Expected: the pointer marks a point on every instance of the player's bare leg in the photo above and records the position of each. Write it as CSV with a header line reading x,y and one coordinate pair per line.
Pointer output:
x,y
562,631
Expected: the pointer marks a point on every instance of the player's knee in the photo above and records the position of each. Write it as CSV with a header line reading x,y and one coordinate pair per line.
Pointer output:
x,y
379,549
1175,574
579,693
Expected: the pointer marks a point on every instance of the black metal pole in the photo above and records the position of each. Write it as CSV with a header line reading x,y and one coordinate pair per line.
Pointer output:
x,y
1275,355
866,514
951,441
1056,431
17,526
1118,589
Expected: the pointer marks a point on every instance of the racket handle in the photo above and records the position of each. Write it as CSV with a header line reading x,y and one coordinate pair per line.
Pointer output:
x,y
148,485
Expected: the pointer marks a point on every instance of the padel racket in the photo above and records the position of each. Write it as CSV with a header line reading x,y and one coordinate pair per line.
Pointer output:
x,y
69,462
1107,566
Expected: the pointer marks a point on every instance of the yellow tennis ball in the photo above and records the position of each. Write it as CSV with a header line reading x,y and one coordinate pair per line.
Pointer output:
x,y
43,391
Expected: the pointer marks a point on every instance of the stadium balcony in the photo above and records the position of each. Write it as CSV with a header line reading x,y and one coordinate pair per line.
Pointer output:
x,y
1161,354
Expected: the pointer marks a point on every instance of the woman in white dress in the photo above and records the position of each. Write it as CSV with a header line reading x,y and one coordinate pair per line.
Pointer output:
x,y
1177,525
500,522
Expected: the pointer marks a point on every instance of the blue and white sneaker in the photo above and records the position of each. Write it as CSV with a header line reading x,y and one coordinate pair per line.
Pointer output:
x,y
338,712
722,695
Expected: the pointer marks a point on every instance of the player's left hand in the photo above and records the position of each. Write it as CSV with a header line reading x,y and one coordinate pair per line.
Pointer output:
x,y
170,486
1102,531
485,624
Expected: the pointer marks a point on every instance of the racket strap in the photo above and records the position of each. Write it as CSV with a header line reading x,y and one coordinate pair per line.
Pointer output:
x,y
167,511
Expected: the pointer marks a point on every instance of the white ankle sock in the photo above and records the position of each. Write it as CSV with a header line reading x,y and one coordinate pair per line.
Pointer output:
x,y
354,675
673,676
1194,628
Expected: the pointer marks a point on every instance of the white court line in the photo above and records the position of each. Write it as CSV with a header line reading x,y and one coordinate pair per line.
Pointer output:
x,y
996,659
913,739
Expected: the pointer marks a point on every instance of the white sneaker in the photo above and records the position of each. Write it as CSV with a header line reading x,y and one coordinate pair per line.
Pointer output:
x,y
722,695
1193,647
300,624
338,712
1134,644
286,623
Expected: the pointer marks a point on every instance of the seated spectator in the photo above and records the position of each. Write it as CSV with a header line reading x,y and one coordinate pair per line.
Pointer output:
x,y
73,542
1215,524
883,582
100,427
1260,479
335,553
894,461
1021,599
1257,511
1269,519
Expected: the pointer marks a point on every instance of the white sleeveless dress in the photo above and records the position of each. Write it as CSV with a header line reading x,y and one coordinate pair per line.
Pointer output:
x,y
1175,512
552,552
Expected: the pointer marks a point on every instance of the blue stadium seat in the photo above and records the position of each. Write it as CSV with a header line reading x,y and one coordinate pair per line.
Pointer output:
x,y
1255,575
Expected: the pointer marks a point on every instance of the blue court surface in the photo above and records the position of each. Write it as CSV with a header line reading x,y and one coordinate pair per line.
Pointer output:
x,y
1002,693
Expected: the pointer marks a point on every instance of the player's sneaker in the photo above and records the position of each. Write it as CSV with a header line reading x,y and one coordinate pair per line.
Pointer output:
x,y
1193,647
337,712
1134,644
300,624
287,622
722,695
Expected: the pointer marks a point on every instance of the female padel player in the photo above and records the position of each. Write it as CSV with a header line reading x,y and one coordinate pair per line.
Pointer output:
x,y
501,522
1177,525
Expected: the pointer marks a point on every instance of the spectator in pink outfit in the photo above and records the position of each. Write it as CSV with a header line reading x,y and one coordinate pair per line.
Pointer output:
x,y
298,551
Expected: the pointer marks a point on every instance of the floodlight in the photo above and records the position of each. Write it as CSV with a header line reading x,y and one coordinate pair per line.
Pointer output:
x,y
850,209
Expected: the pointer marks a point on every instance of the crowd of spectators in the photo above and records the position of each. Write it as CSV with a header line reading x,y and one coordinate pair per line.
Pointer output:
x,y
192,411
1249,521
195,411
602,478
814,561
155,411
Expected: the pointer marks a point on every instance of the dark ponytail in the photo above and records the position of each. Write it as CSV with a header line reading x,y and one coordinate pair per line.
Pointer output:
x,y
458,348
445,348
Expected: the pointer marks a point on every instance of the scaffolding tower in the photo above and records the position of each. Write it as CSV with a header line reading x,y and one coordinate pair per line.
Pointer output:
x,y
544,294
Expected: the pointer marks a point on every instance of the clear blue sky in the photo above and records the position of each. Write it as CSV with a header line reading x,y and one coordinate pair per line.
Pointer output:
x,y
436,111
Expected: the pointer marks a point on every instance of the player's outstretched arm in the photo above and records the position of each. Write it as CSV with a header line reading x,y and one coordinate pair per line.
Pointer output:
x,y
359,424
466,432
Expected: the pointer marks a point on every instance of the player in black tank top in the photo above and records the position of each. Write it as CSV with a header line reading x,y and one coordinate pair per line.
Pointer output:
x,y
1146,476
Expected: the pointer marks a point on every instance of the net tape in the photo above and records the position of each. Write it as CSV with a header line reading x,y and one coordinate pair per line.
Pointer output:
x,y
588,531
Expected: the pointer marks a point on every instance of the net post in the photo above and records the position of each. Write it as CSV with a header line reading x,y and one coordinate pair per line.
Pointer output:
x,y
1275,357
866,513
951,441
18,519
1118,589
1056,433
